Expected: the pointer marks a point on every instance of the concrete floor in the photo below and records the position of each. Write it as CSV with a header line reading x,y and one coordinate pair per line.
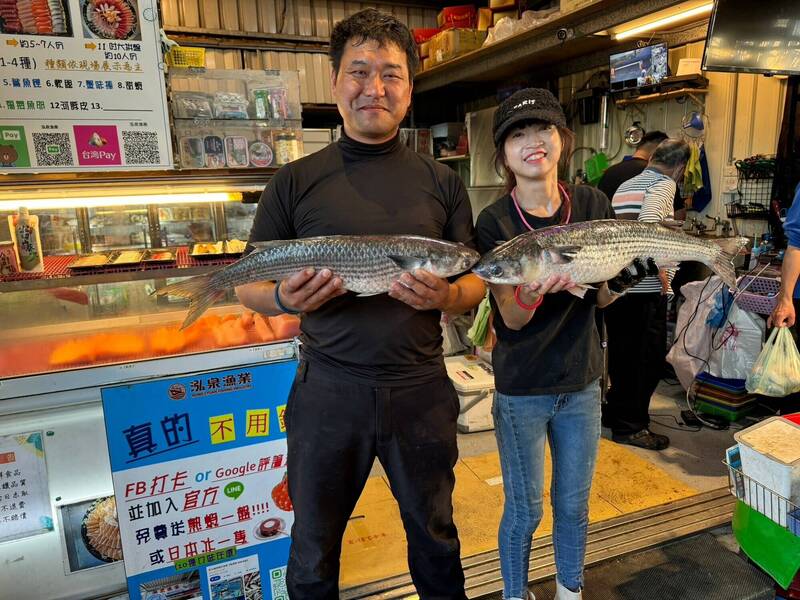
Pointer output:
x,y
694,457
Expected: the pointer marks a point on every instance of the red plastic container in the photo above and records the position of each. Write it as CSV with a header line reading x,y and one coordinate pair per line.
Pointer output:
x,y
423,34
464,16
795,418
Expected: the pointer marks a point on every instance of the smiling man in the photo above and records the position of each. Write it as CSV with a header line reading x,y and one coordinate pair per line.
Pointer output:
x,y
371,380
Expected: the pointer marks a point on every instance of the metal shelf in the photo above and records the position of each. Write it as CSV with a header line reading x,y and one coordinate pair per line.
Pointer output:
x,y
539,47
58,274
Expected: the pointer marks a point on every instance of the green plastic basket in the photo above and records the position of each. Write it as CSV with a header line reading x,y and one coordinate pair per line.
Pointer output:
x,y
595,167
725,413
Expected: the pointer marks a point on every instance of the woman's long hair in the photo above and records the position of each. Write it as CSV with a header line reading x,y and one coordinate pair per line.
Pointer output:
x,y
501,168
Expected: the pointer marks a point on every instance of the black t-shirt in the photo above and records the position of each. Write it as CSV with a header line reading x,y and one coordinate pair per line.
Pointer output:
x,y
618,174
350,188
559,349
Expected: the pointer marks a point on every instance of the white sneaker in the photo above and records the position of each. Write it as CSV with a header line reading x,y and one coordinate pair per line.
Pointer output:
x,y
563,593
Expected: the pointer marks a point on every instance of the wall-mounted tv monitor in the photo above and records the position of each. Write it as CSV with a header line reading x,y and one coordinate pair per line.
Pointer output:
x,y
638,68
748,37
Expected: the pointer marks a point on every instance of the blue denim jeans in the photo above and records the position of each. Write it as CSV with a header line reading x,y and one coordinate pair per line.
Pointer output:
x,y
571,423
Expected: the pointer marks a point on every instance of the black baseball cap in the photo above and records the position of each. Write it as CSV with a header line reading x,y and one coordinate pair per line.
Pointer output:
x,y
529,104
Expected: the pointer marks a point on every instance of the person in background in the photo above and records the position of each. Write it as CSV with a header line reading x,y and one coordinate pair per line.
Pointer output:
x,y
637,323
371,379
548,359
629,168
785,311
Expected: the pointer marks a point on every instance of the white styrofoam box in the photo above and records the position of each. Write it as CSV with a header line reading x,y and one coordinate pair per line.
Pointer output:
x,y
473,379
770,453
315,140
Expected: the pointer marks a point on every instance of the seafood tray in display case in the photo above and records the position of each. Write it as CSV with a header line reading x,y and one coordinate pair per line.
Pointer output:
x,y
235,119
111,317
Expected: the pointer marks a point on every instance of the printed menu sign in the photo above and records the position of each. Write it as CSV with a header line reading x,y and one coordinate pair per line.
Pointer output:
x,y
81,87
199,471
24,495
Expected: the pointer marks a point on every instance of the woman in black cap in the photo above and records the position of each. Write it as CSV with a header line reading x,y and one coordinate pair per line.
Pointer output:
x,y
548,357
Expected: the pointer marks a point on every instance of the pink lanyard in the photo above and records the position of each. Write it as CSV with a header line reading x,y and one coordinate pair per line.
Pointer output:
x,y
565,200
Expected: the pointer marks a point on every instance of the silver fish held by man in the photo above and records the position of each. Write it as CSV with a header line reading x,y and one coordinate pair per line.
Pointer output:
x,y
366,264
596,251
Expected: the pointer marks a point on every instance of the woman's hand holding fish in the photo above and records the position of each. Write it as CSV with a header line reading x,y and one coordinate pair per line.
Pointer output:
x,y
421,290
307,290
530,292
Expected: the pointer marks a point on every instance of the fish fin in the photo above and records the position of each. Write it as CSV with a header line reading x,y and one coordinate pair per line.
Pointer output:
x,y
579,290
200,291
407,263
367,294
672,223
723,263
563,254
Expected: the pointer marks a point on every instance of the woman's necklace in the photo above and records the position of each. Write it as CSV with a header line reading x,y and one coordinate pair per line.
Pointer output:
x,y
565,201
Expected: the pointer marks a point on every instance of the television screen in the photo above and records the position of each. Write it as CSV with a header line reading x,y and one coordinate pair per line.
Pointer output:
x,y
640,67
749,38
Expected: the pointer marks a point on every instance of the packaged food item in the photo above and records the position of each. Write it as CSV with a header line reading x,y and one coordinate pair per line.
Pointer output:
x,y
235,246
192,105
192,153
230,105
287,147
260,154
127,257
24,229
156,256
236,151
270,103
90,261
206,249
8,259
215,151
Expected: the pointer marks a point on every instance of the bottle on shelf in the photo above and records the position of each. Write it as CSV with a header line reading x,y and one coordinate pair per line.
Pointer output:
x,y
27,242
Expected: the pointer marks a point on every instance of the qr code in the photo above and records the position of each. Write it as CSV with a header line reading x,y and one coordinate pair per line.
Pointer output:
x,y
141,147
53,149
277,584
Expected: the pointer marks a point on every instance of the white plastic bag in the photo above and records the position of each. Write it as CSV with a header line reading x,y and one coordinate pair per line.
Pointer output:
x,y
693,335
737,346
777,370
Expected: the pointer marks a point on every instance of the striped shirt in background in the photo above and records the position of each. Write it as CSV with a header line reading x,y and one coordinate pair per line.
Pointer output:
x,y
647,197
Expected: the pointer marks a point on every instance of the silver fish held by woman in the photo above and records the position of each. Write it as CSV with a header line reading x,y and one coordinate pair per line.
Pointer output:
x,y
596,251
367,265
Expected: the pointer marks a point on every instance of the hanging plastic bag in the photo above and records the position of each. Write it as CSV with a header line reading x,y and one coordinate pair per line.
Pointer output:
x,y
737,345
693,341
480,326
777,370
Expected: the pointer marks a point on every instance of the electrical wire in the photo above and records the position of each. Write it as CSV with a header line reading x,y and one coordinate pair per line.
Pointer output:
x,y
680,426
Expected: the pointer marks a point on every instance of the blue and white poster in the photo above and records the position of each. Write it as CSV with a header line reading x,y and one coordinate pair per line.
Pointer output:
x,y
199,471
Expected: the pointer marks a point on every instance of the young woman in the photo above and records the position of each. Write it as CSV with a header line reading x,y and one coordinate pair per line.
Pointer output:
x,y
548,358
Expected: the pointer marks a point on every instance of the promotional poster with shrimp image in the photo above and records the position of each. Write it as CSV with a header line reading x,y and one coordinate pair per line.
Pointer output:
x,y
199,472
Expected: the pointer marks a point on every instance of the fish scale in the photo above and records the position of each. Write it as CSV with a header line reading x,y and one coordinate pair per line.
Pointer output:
x,y
367,265
595,251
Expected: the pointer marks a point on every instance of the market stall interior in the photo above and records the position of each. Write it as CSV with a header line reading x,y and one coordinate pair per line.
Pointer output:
x,y
101,210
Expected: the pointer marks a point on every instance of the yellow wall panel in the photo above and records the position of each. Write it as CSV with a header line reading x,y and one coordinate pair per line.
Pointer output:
x,y
229,11
248,16
322,18
169,13
189,13
305,22
209,14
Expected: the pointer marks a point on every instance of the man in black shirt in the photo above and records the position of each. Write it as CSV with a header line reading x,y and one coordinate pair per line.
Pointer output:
x,y
371,380
618,174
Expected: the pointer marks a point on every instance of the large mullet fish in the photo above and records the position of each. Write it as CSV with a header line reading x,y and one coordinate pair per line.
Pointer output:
x,y
367,265
595,251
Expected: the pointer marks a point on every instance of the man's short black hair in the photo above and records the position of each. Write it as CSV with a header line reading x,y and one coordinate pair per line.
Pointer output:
x,y
372,24
652,138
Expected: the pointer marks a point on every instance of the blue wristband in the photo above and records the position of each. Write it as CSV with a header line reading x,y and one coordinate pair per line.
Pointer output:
x,y
279,304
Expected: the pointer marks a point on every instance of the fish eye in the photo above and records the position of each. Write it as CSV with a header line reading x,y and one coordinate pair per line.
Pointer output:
x,y
495,270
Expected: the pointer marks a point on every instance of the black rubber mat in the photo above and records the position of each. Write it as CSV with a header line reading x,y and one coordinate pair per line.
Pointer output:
x,y
694,568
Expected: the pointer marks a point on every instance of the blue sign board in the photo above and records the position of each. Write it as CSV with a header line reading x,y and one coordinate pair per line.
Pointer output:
x,y
199,464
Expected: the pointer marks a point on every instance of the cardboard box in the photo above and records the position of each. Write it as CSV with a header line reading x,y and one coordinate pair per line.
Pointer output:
x,y
568,6
453,42
454,17
496,16
427,63
484,19
502,4
425,49
423,34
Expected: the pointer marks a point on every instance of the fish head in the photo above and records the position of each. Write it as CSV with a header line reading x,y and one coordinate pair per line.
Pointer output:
x,y
505,266
450,262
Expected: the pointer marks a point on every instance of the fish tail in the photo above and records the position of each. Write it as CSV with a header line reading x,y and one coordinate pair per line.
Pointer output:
x,y
201,291
723,263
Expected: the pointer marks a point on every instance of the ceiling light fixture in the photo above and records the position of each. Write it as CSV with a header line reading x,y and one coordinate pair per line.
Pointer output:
x,y
663,22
